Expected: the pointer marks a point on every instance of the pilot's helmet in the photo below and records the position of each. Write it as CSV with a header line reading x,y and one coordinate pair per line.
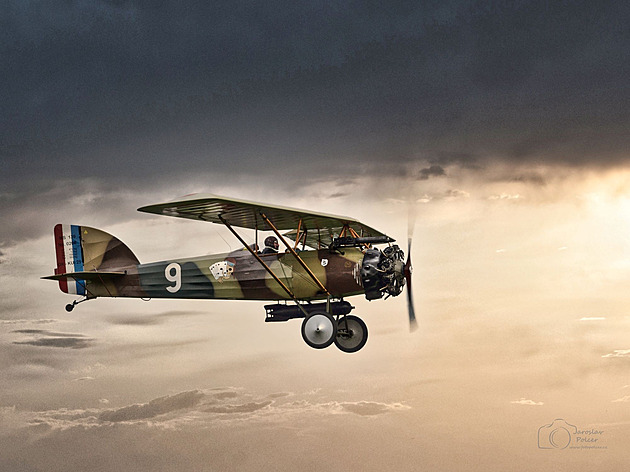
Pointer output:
x,y
272,242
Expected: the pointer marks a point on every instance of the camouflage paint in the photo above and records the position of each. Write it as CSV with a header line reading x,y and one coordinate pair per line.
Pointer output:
x,y
229,276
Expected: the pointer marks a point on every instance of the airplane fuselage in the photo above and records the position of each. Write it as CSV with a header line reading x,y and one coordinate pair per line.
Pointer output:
x,y
238,275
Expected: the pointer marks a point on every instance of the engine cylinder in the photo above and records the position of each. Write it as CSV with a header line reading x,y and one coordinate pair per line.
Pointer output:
x,y
382,272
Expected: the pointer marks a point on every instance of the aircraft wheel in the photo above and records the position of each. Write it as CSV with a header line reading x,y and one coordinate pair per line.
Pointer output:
x,y
319,330
352,334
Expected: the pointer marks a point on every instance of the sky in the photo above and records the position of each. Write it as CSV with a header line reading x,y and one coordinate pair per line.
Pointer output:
x,y
499,128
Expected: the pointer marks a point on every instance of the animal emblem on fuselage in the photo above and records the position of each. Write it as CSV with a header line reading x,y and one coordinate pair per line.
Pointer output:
x,y
222,270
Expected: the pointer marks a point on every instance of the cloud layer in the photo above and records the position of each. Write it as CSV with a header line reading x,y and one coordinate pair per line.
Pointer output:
x,y
225,85
195,408
45,338
504,123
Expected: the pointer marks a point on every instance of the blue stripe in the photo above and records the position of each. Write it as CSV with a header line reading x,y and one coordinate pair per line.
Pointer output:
x,y
77,254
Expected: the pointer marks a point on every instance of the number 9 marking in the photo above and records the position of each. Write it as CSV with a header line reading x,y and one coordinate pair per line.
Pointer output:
x,y
173,273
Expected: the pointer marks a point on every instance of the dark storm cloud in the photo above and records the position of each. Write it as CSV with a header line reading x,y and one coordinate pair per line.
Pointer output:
x,y
332,195
71,343
194,405
25,321
433,171
33,208
366,408
175,433
47,333
530,178
159,406
244,408
131,90
225,395
45,338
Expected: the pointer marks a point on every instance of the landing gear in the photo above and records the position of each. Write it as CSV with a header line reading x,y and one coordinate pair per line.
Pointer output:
x,y
352,334
319,330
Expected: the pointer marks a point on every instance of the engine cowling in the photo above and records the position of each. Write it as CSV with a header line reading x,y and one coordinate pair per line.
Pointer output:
x,y
382,272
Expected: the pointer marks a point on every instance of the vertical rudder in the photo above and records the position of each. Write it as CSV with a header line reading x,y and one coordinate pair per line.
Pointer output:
x,y
69,251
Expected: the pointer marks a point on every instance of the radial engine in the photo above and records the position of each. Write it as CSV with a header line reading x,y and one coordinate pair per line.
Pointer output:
x,y
383,272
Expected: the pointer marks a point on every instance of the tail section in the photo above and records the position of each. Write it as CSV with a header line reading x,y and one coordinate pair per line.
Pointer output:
x,y
84,252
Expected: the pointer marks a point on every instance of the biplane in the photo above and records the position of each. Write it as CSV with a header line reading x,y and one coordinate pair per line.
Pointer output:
x,y
323,260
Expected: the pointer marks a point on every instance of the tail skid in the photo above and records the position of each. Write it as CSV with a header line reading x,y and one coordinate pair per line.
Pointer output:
x,y
70,306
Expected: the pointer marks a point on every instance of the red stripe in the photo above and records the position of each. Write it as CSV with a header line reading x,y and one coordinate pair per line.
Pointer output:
x,y
61,257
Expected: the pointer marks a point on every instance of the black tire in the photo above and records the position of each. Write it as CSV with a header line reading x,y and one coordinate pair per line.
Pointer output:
x,y
352,334
319,330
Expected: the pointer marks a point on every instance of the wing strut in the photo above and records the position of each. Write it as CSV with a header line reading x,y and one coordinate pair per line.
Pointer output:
x,y
295,254
263,263
298,236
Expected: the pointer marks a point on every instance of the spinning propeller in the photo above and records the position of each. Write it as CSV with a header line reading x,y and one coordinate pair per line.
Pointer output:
x,y
413,324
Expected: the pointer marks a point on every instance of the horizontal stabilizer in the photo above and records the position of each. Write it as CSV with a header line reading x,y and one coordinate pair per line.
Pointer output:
x,y
89,275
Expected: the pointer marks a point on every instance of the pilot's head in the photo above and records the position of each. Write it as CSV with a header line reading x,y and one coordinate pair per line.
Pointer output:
x,y
271,242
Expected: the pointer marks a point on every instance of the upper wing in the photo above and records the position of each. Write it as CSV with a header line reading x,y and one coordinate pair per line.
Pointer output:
x,y
320,227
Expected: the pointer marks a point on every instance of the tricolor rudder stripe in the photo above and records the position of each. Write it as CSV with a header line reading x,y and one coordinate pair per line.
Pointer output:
x,y
69,251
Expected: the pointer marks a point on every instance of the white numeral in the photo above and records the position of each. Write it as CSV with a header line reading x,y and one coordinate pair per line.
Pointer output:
x,y
173,273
